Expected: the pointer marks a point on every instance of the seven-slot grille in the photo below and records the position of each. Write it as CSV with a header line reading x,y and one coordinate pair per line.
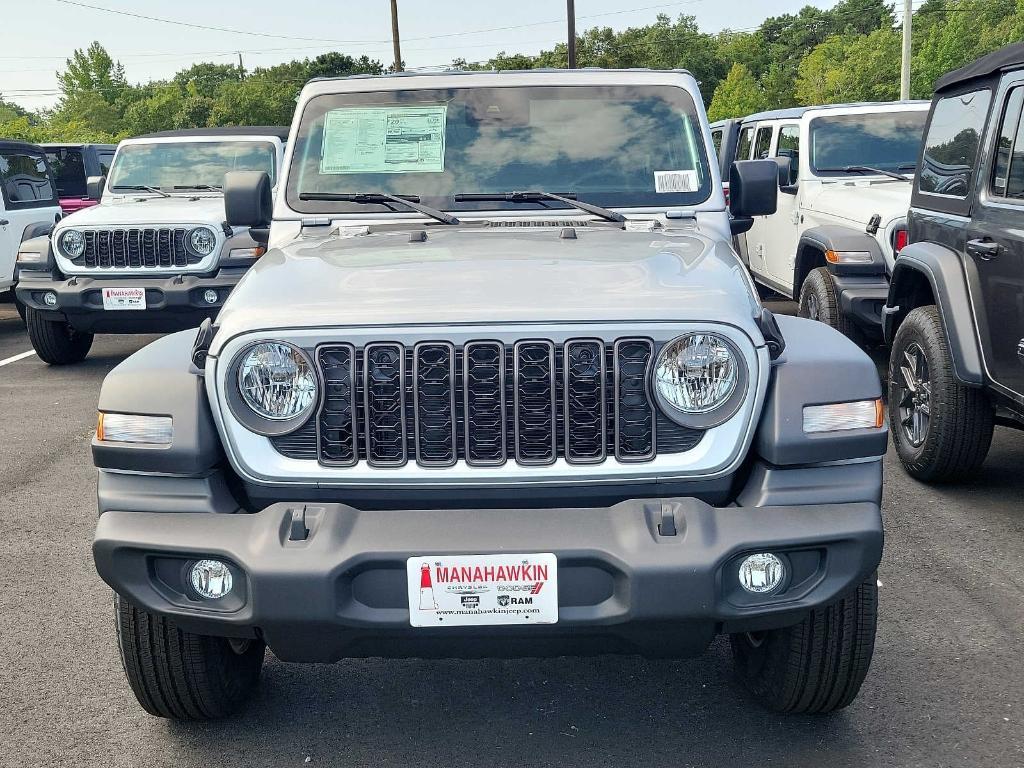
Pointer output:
x,y
487,403
131,248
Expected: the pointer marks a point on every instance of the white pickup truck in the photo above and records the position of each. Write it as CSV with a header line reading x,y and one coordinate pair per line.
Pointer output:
x,y
845,177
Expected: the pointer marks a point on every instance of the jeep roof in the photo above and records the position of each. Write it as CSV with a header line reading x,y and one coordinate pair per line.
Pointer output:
x,y
280,131
1010,57
797,112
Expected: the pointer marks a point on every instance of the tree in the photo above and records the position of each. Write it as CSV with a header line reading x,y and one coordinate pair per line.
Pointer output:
x,y
92,71
204,78
334,64
738,95
851,68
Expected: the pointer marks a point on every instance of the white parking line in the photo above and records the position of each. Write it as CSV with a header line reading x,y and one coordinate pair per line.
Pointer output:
x,y
16,358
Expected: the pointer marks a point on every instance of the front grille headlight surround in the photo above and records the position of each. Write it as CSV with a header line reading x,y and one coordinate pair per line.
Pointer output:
x,y
201,241
699,379
72,243
273,387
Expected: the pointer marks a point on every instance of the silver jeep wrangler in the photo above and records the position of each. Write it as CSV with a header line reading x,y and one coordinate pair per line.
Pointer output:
x,y
500,387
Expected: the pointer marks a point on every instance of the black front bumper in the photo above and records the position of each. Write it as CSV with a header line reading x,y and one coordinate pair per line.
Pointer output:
x,y
862,299
173,302
626,582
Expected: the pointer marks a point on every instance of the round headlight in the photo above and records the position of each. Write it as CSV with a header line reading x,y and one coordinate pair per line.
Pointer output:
x,y
697,375
72,242
277,381
202,240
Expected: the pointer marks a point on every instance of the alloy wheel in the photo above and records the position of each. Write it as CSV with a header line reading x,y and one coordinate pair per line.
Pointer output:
x,y
915,393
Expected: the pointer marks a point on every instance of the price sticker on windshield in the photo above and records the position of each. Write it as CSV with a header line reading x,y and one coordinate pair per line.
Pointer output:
x,y
675,181
384,140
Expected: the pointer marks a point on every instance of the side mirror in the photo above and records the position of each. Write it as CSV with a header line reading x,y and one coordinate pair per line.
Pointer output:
x,y
787,166
753,188
94,186
249,202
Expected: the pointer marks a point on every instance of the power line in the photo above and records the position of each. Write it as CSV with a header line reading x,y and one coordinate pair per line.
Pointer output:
x,y
192,25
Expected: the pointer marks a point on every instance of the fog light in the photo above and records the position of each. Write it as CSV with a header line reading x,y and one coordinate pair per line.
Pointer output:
x,y
211,579
210,297
761,573
50,299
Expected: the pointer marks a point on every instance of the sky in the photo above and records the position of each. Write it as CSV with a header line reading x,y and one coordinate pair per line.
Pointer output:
x,y
40,34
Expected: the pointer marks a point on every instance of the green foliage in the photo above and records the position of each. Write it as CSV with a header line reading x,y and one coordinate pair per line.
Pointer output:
x,y
738,95
850,52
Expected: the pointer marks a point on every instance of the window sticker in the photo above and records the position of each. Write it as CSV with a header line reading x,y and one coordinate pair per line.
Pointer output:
x,y
675,181
384,140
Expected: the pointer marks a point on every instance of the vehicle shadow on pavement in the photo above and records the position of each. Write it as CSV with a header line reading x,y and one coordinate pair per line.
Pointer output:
x,y
599,711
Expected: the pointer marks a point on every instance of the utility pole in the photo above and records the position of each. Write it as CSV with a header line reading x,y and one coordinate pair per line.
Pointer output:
x,y
570,14
241,69
908,12
394,36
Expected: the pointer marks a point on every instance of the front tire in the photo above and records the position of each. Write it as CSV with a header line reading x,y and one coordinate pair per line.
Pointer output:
x,y
942,429
182,676
816,666
55,341
819,301
21,309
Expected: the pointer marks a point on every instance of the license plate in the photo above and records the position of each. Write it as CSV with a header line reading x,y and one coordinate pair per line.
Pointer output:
x,y
124,298
482,590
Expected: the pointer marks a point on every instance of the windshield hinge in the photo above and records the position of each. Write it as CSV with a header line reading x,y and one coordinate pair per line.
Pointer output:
x,y
317,221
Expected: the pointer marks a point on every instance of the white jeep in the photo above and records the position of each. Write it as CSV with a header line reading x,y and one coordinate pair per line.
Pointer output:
x,y
28,203
156,254
844,175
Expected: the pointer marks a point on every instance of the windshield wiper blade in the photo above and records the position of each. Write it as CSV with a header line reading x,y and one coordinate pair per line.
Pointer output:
x,y
411,201
538,195
867,169
210,187
141,188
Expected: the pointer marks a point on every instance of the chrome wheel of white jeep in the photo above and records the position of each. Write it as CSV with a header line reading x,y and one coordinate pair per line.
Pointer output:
x,y
915,390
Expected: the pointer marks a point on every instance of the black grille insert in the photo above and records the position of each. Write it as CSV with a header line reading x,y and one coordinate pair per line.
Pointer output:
x,y
136,248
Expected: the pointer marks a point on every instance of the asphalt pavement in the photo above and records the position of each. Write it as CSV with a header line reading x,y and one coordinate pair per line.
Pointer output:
x,y
946,687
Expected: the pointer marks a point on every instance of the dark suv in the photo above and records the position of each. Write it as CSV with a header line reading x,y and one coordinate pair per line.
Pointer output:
x,y
955,312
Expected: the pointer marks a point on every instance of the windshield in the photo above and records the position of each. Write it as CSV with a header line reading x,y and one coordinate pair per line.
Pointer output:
x,y
889,141
611,146
188,165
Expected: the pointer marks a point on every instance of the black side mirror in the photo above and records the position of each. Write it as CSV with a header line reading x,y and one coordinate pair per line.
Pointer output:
x,y
753,188
94,187
787,172
249,202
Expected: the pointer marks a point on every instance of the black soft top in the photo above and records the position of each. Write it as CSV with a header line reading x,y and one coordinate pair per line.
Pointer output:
x,y
15,145
280,131
1010,57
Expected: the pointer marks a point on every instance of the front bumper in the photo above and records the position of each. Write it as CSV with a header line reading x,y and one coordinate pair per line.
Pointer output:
x,y
862,299
624,585
173,302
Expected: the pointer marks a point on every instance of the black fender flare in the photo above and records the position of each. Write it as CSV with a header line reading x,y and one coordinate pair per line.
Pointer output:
x,y
159,380
942,269
839,238
38,229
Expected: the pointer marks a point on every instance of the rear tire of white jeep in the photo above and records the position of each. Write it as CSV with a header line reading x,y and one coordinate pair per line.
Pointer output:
x,y
182,676
55,341
941,429
818,665
820,301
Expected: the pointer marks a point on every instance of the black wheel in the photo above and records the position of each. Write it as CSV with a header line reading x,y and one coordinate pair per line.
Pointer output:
x,y
182,676
942,429
819,301
55,341
816,666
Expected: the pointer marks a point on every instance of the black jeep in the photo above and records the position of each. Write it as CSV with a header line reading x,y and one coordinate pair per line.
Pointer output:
x,y
955,313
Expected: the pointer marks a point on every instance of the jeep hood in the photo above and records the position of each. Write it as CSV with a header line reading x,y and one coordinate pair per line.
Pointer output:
x,y
488,276
149,211
858,202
